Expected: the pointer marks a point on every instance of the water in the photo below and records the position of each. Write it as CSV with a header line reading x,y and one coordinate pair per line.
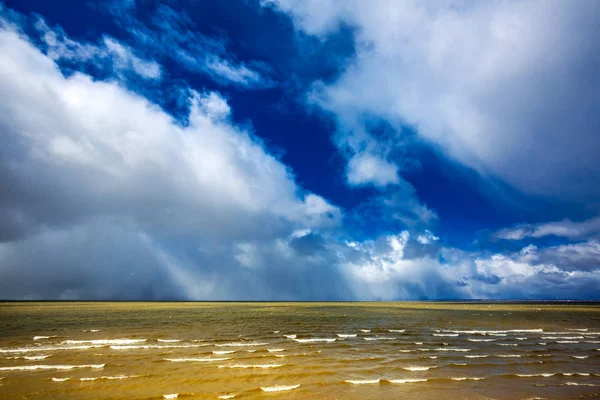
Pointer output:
x,y
299,350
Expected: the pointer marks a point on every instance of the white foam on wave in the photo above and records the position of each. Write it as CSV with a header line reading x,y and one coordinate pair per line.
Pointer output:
x,y
545,375
446,334
226,396
275,350
60,379
580,384
592,341
110,378
407,380
60,367
251,351
576,373
276,332
418,343
105,342
542,343
451,349
169,340
496,334
43,337
280,355
481,340
279,388
580,357
263,366
241,344
315,340
219,352
379,338
196,359
406,351
157,346
363,381
506,344
171,396
578,329
346,335
290,336
464,378
477,356
560,337
365,330
487,332
508,355
33,358
397,330
521,338
46,348
567,341
417,368
459,364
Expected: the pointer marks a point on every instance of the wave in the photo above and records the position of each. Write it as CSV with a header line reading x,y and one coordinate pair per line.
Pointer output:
x,y
487,332
275,350
43,337
315,340
567,341
481,340
91,330
464,378
451,349
578,329
506,344
397,330
406,380
116,377
196,359
363,381
415,368
290,336
171,396
240,344
432,357
446,334
580,384
61,367
459,364
379,338
60,379
33,358
508,355
580,357
477,356
545,375
219,352
46,348
576,373
406,351
418,343
154,346
226,396
105,342
252,366
365,330
346,335
278,388
169,340
561,337
542,343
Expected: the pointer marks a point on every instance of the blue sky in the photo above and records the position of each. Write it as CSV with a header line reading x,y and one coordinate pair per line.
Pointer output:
x,y
277,150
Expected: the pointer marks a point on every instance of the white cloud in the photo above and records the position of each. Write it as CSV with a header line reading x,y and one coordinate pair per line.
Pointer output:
x,y
366,168
565,228
508,88
103,146
120,56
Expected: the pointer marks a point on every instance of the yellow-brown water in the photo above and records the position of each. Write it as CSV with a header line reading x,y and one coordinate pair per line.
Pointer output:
x,y
299,350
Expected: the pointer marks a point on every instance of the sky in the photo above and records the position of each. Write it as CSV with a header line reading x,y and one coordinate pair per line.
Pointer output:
x,y
300,150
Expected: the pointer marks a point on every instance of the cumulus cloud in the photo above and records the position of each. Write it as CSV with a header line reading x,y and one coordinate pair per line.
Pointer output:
x,y
509,88
77,150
